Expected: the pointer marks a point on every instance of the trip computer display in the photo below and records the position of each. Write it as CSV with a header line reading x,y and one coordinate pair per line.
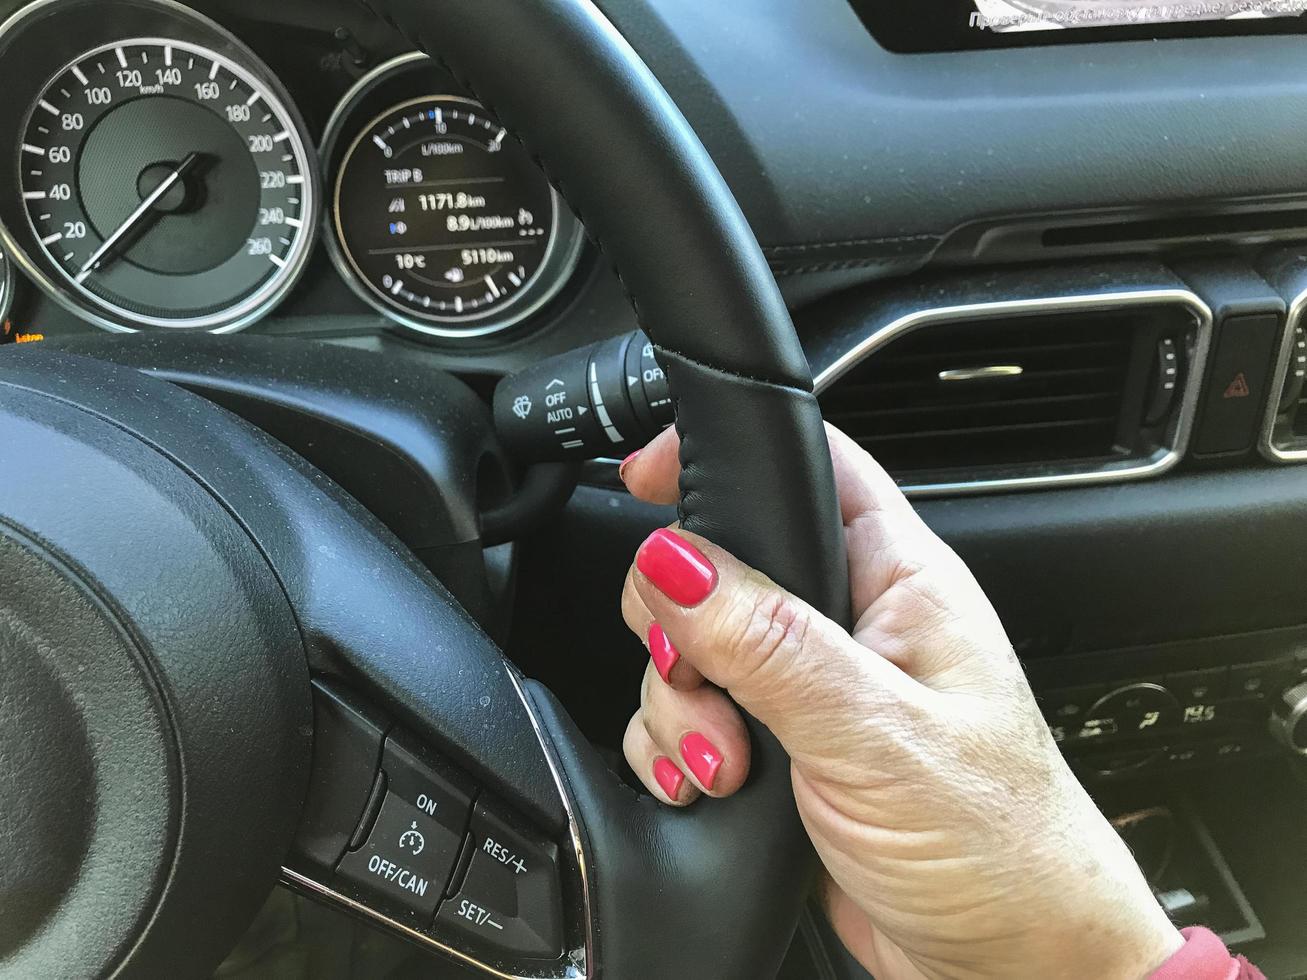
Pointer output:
x,y
962,24
440,217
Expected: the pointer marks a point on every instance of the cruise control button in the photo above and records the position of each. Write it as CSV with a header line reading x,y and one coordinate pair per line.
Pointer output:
x,y
435,791
408,858
510,901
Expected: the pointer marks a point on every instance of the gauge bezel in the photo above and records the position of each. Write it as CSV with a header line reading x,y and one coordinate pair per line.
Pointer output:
x,y
186,29
562,253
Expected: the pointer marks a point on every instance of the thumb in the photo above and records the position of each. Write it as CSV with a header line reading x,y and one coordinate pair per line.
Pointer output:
x,y
795,670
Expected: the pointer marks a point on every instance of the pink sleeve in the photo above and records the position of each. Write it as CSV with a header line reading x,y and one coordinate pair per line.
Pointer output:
x,y
1204,957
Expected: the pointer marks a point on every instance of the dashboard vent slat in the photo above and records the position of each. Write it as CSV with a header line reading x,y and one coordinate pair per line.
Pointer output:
x,y
1075,398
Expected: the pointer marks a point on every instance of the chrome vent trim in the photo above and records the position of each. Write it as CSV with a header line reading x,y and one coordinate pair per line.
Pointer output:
x,y
1270,450
1159,462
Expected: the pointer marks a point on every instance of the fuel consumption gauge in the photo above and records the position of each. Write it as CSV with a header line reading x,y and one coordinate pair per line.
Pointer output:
x,y
443,221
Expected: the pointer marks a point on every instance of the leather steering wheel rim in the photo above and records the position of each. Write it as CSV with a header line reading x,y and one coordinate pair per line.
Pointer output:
x,y
135,489
715,892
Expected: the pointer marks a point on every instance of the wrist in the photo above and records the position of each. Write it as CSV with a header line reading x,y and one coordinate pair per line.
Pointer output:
x,y
1110,917
1118,946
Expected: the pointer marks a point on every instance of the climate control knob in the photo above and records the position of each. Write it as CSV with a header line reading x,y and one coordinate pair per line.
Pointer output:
x,y
1289,719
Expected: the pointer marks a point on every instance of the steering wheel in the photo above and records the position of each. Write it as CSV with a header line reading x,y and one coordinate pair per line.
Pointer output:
x,y
177,586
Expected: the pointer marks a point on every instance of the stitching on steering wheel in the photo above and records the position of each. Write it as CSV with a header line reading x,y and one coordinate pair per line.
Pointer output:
x,y
736,375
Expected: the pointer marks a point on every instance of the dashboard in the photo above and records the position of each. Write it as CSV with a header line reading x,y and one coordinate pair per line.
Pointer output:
x,y
191,169
1048,259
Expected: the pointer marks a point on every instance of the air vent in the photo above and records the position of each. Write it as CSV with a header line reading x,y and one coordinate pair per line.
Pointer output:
x,y
1014,395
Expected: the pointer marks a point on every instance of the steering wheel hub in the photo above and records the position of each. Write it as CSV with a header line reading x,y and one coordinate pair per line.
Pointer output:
x,y
89,794
146,797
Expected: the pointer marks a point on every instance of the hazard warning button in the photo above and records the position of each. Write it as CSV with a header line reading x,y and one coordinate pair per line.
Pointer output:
x,y
1235,397
1238,388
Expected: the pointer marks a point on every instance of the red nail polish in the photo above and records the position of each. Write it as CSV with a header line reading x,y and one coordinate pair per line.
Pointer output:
x,y
669,777
677,567
621,470
663,653
702,757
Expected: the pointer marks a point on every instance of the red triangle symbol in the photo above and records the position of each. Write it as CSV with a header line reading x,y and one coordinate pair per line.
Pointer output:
x,y
1238,387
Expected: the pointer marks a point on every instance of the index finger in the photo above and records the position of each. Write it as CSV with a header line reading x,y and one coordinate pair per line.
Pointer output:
x,y
653,473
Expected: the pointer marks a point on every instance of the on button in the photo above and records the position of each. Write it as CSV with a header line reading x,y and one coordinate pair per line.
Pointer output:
x,y
409,856
406,861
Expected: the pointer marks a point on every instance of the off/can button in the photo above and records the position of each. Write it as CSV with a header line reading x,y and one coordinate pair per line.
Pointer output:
x,y
409,855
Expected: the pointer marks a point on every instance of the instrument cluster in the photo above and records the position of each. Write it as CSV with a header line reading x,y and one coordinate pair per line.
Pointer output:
x,y
163,178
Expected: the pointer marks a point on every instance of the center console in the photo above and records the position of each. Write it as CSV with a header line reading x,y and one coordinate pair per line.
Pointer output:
x,y
1185,706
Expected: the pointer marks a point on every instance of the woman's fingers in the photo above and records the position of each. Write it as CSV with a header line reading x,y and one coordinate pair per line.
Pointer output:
x,y
701,730
788,665
653,474
682,743
656,769
703,614
666,659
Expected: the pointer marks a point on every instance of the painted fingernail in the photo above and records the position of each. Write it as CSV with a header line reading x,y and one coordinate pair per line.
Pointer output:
x,y
702,757
621,470
677,567
663,653
669,777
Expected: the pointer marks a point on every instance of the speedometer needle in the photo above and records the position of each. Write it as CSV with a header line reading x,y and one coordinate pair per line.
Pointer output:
x,y
139,215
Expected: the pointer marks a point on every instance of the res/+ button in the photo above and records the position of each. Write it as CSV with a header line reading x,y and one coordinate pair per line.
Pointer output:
x,y
510,902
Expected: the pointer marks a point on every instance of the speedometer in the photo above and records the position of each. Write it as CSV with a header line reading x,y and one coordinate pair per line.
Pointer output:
x,y
439,218
164,181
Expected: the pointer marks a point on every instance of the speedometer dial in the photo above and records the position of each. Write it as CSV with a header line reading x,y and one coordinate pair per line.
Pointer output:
x,y
440,218
165,184
160,176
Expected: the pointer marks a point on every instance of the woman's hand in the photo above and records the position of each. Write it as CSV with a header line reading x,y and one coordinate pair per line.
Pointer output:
x,y
956,841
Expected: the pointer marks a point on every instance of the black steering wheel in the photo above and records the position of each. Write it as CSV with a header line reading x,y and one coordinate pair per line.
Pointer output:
x,y
174,584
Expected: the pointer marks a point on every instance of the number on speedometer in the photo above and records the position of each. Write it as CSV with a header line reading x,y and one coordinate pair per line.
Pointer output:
x,y
167,185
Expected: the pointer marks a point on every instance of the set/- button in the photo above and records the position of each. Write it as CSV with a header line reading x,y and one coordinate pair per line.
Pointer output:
x,y
510,901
